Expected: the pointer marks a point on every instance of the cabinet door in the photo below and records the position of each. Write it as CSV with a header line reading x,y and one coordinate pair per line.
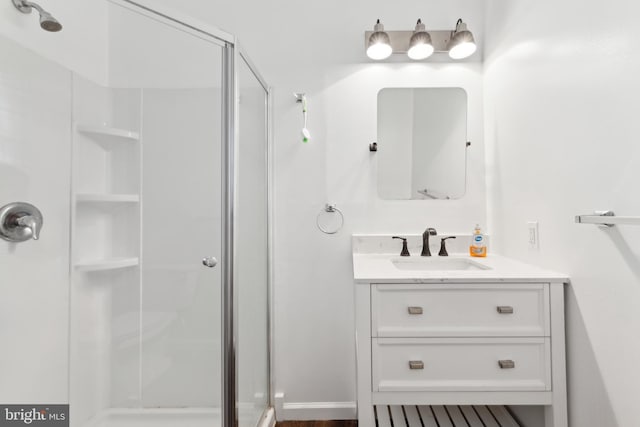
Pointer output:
x,y
461,364
460,310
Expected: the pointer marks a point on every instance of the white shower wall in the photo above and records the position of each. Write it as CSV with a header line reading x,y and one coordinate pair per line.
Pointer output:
x,y
81,46
35,117
105,316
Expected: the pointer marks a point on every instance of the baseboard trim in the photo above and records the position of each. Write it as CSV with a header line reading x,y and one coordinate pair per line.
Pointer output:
x,y
302,411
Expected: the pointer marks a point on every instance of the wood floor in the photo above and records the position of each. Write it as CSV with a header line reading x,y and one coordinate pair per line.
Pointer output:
x,y
333,423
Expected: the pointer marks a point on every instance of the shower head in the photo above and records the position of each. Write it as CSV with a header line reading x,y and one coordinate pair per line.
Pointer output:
x,y
47,21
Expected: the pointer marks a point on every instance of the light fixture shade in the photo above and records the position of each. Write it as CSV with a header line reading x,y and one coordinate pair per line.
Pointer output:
x,y
462,44
420,46
379,46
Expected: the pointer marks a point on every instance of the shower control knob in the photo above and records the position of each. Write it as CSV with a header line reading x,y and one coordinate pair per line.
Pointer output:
x,y
209,262
19,222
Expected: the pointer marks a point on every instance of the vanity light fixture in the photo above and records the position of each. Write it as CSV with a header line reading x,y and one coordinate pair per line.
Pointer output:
x,y
420,44
462,44
378,43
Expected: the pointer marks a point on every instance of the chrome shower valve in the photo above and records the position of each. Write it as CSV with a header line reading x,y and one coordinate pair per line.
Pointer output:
x,y
19,222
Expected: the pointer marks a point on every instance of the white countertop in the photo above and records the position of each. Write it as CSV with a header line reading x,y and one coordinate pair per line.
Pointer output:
x,y
378,268
372,267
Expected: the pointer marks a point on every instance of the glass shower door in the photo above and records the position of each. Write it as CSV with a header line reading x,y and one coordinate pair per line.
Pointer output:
x,y
182,251
118,308
148,222
252,251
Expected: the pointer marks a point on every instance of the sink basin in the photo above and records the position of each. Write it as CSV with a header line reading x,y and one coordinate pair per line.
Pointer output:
x,y
436,264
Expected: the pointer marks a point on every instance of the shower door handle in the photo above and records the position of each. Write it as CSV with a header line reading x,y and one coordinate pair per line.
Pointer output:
x,y
209,262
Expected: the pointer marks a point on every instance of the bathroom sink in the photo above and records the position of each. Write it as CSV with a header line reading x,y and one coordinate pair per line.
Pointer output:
x,y
436,264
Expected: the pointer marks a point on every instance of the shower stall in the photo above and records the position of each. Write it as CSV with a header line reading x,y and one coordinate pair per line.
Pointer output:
x,y
154,191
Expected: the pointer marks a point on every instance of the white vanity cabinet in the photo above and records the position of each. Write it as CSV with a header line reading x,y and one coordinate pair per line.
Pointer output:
x,y
447,341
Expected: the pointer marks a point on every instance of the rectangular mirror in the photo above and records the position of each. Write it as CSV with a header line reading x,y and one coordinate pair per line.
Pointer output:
x,y
422,143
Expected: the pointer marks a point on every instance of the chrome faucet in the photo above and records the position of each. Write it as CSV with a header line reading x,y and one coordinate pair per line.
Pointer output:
x,y
425,240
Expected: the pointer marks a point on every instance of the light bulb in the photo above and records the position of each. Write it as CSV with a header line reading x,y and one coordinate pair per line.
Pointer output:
x,y
462,44
420,46
379,51
462,50
379,43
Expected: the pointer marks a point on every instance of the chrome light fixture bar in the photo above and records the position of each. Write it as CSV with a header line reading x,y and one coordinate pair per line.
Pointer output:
x,y
419,44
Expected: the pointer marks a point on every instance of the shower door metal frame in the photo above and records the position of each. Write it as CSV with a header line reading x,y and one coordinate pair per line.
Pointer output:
x,y
241,55
231,55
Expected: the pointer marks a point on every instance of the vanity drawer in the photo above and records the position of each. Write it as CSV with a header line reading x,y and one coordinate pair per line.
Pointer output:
x,y
460,310
461,364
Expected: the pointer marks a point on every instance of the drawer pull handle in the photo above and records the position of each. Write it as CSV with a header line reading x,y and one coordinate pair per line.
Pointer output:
x,y
416,364
415,310
505,309
506,364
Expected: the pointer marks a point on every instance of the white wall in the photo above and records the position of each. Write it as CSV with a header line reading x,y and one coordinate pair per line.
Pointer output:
x,y
35,143
81,46
561,101
317,48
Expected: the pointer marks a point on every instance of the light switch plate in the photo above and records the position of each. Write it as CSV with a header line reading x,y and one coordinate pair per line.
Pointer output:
x,y
533,235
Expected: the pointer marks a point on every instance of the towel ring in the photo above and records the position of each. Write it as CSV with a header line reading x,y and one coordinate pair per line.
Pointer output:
x,y
330,214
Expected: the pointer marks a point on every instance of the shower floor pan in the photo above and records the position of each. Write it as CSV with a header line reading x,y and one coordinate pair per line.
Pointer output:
x,y
450,416
183,417
174,417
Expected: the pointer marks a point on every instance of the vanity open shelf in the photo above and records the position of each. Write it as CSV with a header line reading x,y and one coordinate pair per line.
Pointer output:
x,y
439,415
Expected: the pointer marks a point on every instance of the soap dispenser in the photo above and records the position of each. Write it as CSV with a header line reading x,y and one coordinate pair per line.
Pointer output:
x,y
478,247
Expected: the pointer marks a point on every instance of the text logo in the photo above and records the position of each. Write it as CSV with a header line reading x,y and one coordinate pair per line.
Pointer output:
x,y
34,415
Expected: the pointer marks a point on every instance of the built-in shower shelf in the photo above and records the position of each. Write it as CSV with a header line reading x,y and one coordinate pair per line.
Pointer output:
x,y
107,198
108,133
106,264
449,415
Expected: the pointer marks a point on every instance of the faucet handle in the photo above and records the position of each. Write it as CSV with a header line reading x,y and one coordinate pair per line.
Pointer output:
x,y
443,247
405,250
19,222
32,224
